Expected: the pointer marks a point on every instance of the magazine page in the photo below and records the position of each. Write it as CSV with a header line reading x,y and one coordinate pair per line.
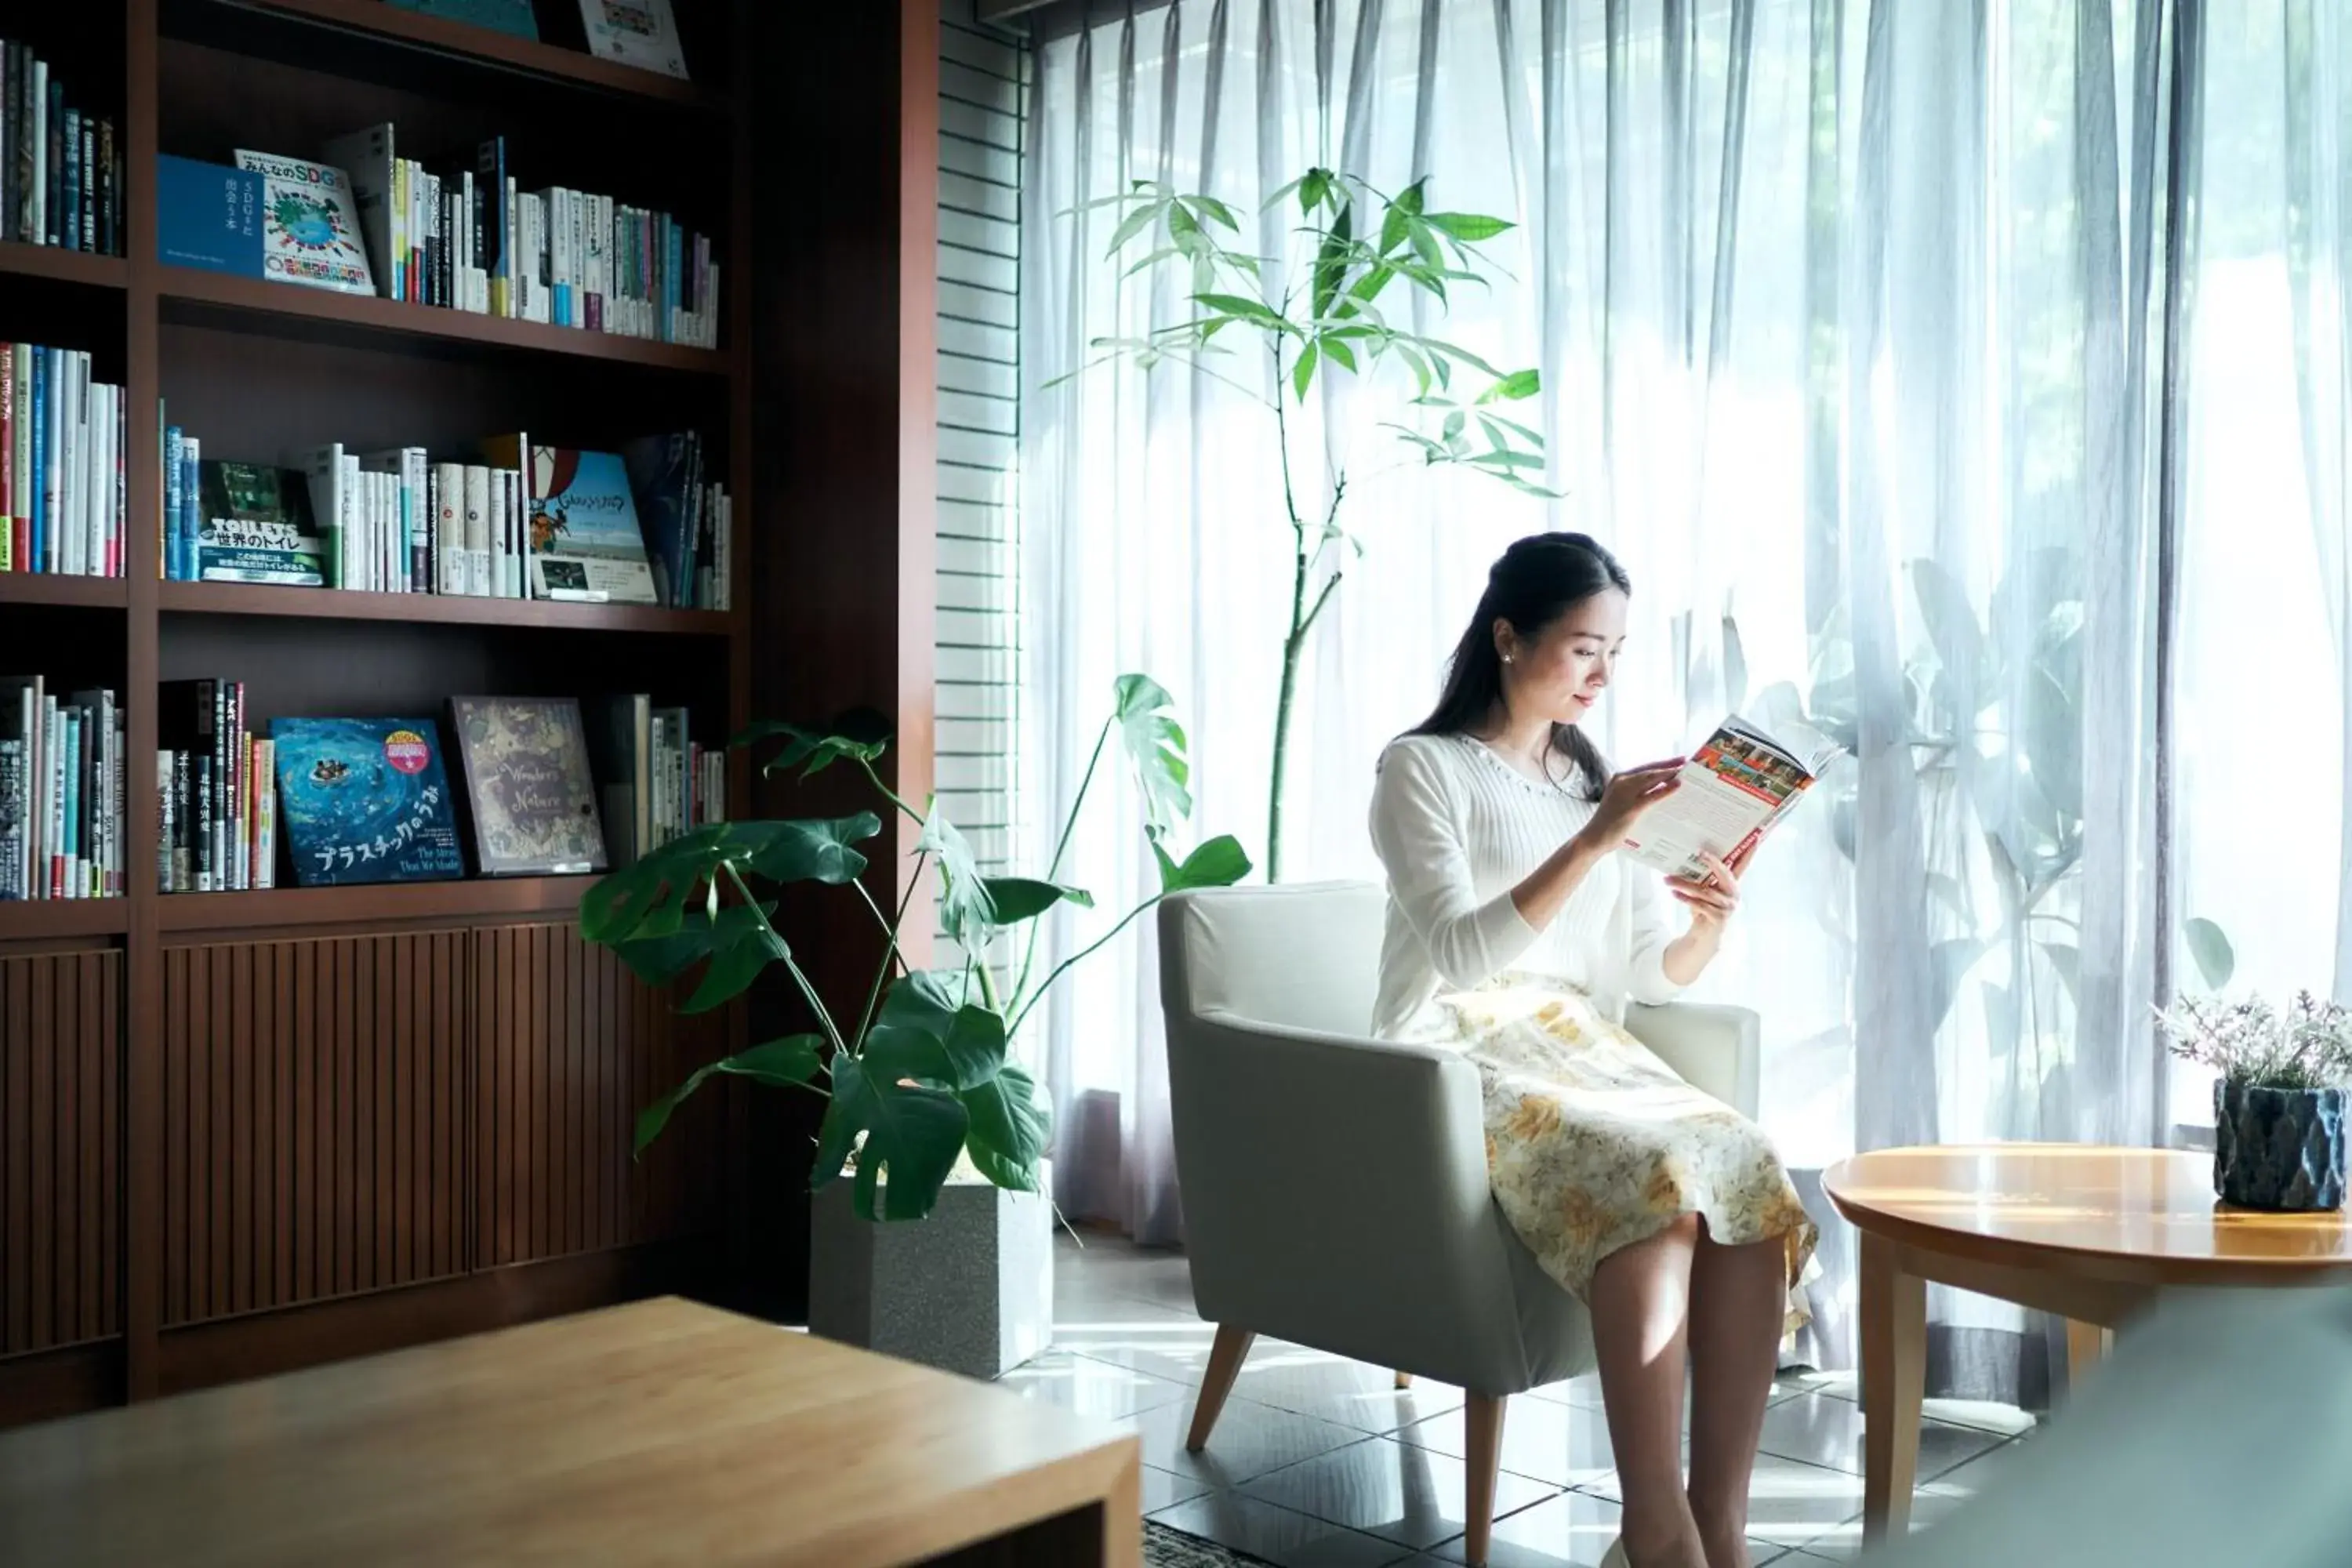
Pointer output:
x,y
1732,789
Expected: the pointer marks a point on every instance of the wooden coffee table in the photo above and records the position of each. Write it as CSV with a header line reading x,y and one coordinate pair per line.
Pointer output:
x,y
2088,1233
659,1433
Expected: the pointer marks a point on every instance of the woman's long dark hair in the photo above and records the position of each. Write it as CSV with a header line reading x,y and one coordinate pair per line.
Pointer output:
x,y
1537,580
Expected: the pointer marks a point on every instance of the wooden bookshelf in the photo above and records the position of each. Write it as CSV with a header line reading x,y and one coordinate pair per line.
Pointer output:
x,y
469,1069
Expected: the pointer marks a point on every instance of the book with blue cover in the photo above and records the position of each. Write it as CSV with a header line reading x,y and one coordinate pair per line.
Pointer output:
x,y
511,17
208,216
665,472
365,800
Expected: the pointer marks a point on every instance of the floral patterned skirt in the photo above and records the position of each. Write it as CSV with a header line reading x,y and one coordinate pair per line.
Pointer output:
x,y
1594,1143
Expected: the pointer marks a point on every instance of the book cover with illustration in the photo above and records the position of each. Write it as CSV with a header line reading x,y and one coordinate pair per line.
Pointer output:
x,y
365,800
639,33
532,798
310,225
254,524
512,16
584,540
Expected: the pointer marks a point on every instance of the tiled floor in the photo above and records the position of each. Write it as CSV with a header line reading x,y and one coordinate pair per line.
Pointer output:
x,y
1321,1463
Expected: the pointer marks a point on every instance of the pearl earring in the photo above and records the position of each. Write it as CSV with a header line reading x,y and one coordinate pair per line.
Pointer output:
x,y
1506,658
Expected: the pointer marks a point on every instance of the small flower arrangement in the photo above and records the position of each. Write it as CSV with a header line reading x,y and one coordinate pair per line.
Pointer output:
x,y
2253,1045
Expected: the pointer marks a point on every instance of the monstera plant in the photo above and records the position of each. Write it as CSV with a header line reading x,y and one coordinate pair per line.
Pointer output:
x,y
921,1075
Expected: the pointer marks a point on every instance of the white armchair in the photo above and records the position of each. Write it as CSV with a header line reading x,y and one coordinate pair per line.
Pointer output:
x,y
1335,1187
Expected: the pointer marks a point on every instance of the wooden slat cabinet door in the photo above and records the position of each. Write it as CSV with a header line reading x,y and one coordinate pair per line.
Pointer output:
x,y
569,1047
61,1149
315,1113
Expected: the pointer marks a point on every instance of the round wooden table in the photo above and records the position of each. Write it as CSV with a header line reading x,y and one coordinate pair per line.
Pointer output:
x,y
2088,1233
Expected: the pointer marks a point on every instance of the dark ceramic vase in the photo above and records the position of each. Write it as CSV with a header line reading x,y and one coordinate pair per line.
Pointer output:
x,y
2278,1148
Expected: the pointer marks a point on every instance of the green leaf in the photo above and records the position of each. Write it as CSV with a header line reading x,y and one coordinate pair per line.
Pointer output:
x,y
2209,947
1242,306
912,1131
1008,1128
974,1047
1468,228
1186,233
742,944
1445,351
815,850
1337,350
1145,215
1314,190
818,751
1217,211
1520,384
1395,228
1303,373
1424,245
1451,435
1018,898
1218,863
2056,745
780,1064
1412,198
965,912
927,1000
1154,743
659,960
645,899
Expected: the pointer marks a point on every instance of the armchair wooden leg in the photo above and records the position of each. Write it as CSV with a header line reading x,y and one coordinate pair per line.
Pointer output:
x,y
1226,1358
1404,1380
1485,1412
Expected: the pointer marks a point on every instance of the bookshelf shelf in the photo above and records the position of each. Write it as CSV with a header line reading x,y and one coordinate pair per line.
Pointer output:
x,y
307,25
500,899
62,265
433,609
217,298
57,588
38,919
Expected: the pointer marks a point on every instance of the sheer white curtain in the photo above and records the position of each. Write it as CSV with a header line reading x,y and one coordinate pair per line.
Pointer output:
x,y
1875,343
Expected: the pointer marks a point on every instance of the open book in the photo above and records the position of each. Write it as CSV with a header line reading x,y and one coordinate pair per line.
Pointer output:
x,y
1734,788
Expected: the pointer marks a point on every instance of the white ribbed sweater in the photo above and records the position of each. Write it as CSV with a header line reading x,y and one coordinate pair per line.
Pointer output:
x,y
1458,827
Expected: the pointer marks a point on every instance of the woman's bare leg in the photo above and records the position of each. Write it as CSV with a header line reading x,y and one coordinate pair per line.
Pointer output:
x,y
1738,1303
1641,1305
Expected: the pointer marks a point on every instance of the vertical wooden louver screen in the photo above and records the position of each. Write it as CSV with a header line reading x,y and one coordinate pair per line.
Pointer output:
x,y
61,1149
569,1047
315,1119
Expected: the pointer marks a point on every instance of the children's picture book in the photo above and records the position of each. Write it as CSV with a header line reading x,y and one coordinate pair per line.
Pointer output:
x,y
255,525
208,216
1733,790
511,17
310,225
365,800
584,541
639,33
527,782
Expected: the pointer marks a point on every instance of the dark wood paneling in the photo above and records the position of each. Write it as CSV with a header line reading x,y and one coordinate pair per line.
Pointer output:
x,y
60,1150
569,1047
315,1119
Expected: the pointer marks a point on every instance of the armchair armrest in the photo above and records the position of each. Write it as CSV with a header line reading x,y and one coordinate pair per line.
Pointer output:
x,y
1714,1048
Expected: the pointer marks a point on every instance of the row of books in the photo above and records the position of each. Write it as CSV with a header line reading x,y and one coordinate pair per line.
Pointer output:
x,y
216,811
366,220
529,521
369,800
61,792
61,478
61,167
638,32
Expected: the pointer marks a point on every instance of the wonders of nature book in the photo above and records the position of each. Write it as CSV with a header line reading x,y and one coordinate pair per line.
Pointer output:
x,y
255,525
365,800
310,225
506,16
527,780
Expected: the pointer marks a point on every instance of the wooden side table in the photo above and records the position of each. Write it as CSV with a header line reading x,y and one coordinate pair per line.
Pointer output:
x,y
661,1432
2086,1232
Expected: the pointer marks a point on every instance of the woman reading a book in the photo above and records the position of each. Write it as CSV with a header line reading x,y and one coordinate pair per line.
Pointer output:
x,y
1517,932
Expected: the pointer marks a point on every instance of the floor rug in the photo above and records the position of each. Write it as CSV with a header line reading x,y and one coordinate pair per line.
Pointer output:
x,y
1166,1548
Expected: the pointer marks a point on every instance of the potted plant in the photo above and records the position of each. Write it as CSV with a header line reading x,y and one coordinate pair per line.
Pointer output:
x,y
920,1080
2278,1106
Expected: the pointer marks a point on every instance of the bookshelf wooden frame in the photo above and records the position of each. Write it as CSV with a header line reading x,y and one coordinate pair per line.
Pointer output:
x,y
136,1358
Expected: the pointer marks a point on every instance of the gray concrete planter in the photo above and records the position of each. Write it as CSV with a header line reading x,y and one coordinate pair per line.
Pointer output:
x,y
970,1289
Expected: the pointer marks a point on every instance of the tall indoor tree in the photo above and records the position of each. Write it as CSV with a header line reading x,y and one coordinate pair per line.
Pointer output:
x,y
1330,307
